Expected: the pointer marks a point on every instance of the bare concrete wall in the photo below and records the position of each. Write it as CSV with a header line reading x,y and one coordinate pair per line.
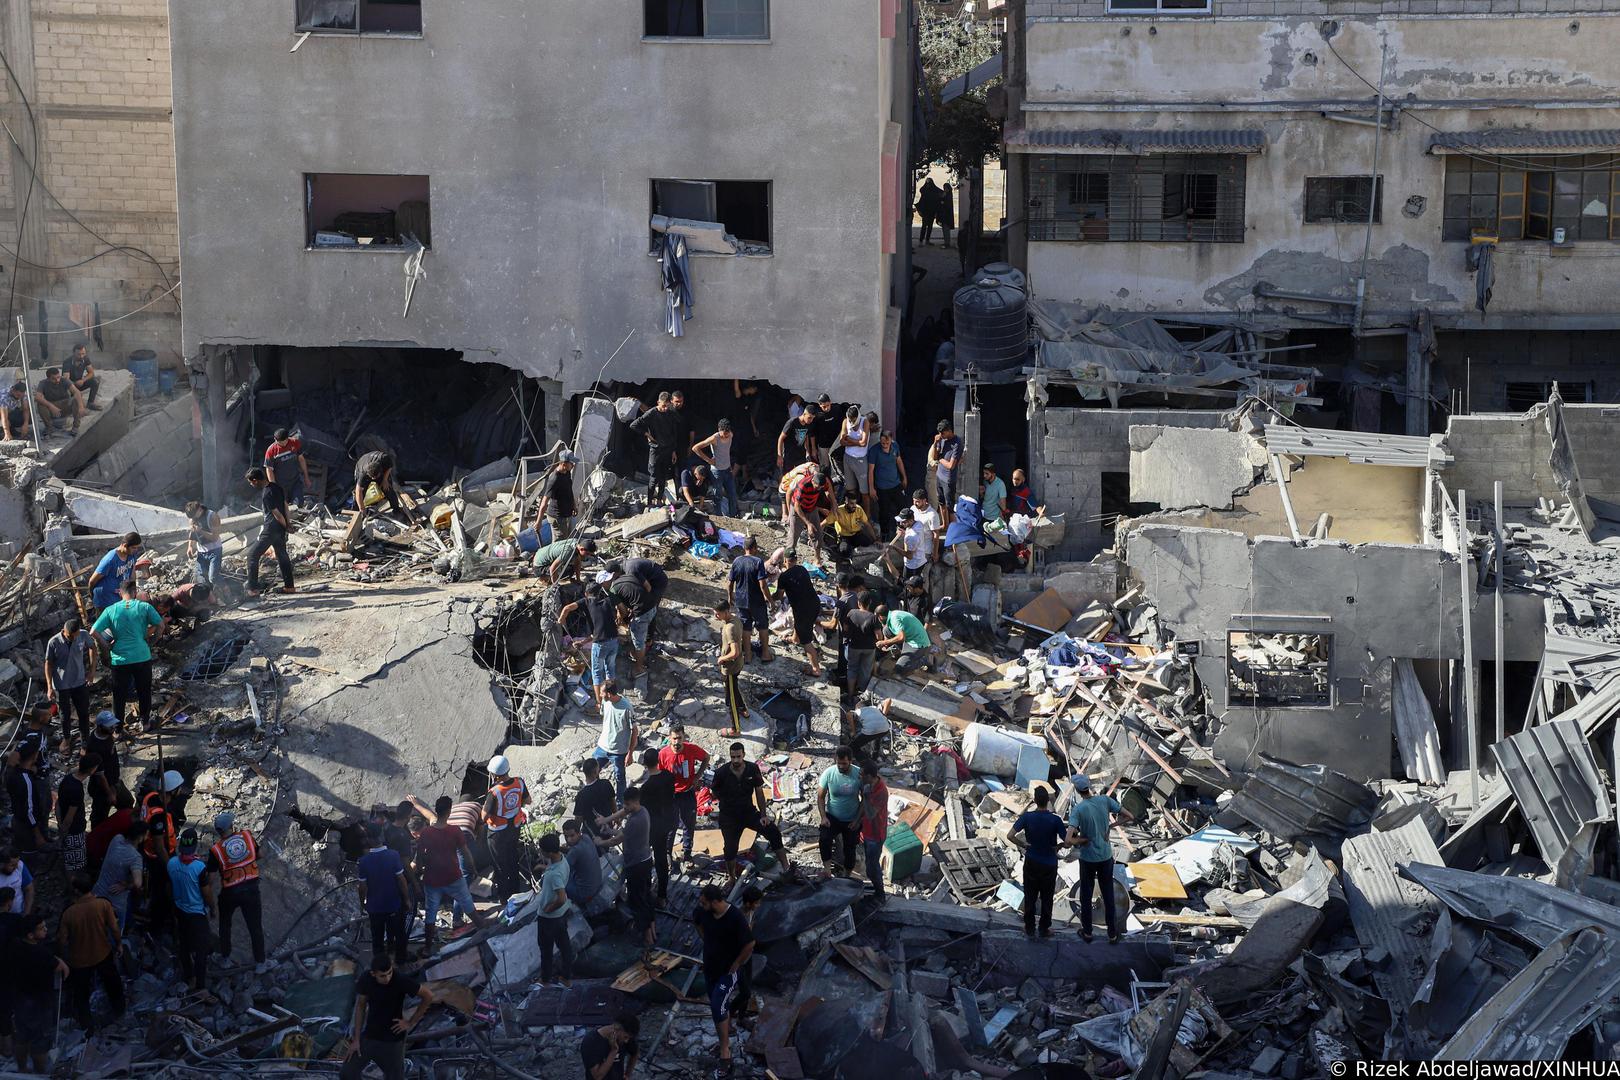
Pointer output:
x,y
1379,601
1279,75
1513,448
540,130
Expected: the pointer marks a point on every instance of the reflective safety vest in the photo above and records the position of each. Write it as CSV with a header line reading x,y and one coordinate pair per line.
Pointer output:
x,y
238,858
508,805
160,839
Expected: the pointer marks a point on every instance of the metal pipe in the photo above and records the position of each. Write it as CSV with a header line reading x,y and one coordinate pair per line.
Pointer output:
x,y
1470,704
1271,292
28,385
1501,561
1372,200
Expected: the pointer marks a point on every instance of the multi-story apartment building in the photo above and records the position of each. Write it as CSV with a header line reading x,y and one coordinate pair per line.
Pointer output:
x,y
1224,159
528,144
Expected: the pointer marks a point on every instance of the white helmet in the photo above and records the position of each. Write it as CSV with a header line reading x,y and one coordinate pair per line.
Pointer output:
x,y
499,766
172,781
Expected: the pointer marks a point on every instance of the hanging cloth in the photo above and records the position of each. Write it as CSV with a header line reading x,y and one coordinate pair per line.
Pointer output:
x,y
678,306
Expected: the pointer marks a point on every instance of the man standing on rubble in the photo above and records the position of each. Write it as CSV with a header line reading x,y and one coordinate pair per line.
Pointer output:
x,y
686,761
728,944
886,469
377,467
503,818
159,844
442,850
640,588
838,800
126,628
104,785
284,458
234,861
745,589
806,500
797,442
70,668
551,928
193,903
32,970
115,568
602,616
1042,833
380,1023
384,892
739,789
715,452
619,734
557,498
874,825
91,940
584,868
861,630
733,651
635,836
1089,824
658,796
665,430
794,584
272,533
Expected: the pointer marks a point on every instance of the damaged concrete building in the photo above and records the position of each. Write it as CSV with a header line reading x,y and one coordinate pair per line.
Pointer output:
x,y
1426,192
492,186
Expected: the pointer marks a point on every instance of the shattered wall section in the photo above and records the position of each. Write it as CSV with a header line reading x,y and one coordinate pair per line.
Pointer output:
x,y
1178,467
1379,601
1513,448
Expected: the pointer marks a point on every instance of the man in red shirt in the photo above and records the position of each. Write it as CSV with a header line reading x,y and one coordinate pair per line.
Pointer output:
x,y
439,852
874,824
808,496
95,845
686,762
284,461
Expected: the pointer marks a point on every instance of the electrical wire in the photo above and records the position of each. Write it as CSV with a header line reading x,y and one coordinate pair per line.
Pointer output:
x,y
107,322
33,176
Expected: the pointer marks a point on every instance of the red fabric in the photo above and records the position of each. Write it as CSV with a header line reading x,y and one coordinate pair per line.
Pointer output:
x,y
705,801
438,846
875,812
687,765
95,845
806,493
275,449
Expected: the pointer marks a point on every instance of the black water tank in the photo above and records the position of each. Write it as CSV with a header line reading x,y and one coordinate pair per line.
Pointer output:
x,y
992,326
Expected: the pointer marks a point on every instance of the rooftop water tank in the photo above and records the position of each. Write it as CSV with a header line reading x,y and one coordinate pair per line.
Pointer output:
x,y
992,326
1004,272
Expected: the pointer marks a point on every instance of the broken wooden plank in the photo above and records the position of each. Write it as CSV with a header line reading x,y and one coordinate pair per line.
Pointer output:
x,y
640,973
1224,922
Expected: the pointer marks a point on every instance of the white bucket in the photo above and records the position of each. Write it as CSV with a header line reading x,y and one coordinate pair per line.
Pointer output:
x,y
995,750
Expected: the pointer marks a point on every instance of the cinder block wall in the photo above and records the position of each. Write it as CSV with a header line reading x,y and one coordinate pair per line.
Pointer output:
x,y
1095,8
1078,446
1513,448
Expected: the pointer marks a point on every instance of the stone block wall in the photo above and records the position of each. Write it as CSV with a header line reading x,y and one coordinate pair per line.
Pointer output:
x,y
1077,447
1059,9
1513,448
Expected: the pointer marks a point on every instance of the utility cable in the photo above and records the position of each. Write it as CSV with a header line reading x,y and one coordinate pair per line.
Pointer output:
x,y
33,176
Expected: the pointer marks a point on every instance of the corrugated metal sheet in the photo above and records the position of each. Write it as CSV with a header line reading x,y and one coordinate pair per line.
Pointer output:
x,y
1551,771
1535,911
1392,912
1360,447
1293,802
1525,141
989,69
1125,141
1534,1015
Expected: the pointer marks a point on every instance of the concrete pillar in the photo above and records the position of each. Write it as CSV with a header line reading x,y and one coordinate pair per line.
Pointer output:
x,y
1417,381
554,414
18,26
218,451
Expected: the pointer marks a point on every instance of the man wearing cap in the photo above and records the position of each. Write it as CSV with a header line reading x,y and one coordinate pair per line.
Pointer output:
x,y
602,615
234,859
16,418
557,498
193,903
1088,830
561,560
715,452
503,817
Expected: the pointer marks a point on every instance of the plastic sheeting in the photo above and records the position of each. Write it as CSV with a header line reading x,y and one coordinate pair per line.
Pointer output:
x,y
1415,733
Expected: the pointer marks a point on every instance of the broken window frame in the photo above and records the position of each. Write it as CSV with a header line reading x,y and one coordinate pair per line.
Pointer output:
x,y
401,243
1143,198
1527,199
733,13
1522,396
717,199
1342,200
1240,695
303,11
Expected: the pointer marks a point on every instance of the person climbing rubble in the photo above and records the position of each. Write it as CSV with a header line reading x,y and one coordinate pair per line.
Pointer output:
x,y
503,820
284,459
272,532
639,586
377,467
115,568
601,615
233,860
795,586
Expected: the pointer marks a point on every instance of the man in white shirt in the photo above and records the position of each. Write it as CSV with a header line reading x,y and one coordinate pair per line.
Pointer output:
x,y
856,439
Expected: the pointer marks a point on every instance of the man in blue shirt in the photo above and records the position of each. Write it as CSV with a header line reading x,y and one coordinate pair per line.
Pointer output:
x,y
887,479
745,588
384,892
1043,832
1088,829
115,568
193,902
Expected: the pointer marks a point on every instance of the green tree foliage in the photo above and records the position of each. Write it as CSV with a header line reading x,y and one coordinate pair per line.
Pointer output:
x,y
961,133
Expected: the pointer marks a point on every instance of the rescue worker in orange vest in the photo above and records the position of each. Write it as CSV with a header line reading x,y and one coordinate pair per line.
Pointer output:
x,y
157,810
503,817
235,859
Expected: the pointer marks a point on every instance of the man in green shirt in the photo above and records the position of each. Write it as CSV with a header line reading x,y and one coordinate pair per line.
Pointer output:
x,y
1088,830
838,798
563,559
124,629
905,632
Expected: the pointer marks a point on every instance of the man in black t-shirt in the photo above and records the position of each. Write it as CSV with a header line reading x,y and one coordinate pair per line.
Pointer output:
x,y
829,426
380,1024
861,628
377,467
595,797
610,1052
795,584
728,944
31,969
797,442
272,534
739,788
557,498
82,373
658,799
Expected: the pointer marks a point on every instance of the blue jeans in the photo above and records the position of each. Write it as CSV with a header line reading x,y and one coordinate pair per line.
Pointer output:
x,y
639,627
456,895
604,655
616,763
208,564
725,491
